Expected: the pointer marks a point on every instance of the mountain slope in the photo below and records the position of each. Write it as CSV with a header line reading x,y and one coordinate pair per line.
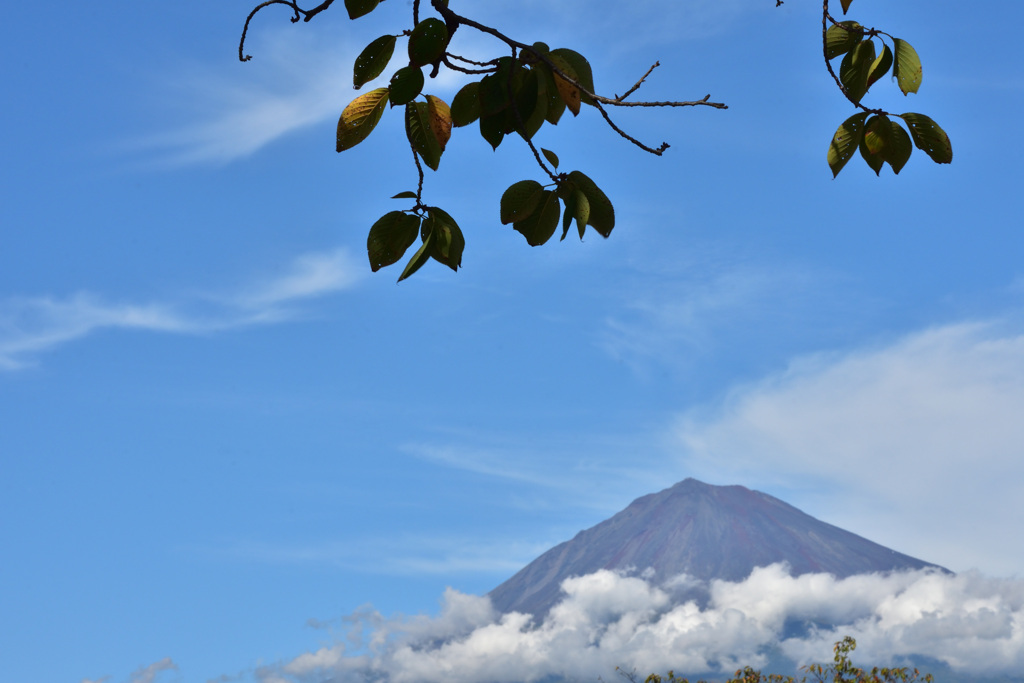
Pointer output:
x,y
705,531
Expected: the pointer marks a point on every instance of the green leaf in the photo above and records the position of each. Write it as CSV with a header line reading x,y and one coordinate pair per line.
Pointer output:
x,y
540,225
358,8
874,145
427,41
841,38
420,134
466,105
448,240
421,256
880,66
854,70
845,142
576,206
877,134
532,104
929,137
556,105
408,194
389,238
900,148
908,69
492,129
529,58
846,4
372,61
584,74
602,213
405,85
520,200
493,93
360,117
550,156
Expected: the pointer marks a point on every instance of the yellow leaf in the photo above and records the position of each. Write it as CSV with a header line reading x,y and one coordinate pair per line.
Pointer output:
x,y
440,119
360,117
569,93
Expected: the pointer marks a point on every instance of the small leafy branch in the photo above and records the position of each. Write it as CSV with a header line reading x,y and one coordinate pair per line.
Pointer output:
x,y
532,85
841,670
879,139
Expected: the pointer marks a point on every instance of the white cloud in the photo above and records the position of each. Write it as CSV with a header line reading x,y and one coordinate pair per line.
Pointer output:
x,y
293,82
415,556
149,673
29,326
926,430
298,78
971,623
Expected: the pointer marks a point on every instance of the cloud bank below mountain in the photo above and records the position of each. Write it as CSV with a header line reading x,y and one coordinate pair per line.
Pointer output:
x,y
606,620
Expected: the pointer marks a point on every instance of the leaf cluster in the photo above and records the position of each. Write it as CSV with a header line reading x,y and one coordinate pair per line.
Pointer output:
x,y
532,85
873,132
513,95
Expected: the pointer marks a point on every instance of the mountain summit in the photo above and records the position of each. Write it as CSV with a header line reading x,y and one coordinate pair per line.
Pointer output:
x,y
708,532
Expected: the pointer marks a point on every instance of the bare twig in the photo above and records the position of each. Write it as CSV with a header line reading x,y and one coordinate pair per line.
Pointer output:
x,y
300,13
636,86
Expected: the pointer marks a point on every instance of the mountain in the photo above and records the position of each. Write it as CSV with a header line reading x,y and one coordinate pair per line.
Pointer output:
x,y
708,532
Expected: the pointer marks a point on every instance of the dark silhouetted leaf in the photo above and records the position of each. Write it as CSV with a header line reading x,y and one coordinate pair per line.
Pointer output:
x,y
577,206
408,194
405,85
880,66
420,134
550,156
372,61
466,105
532,104
602,213
556,105
540,225
492,129
358,8
390,236
493,93
427,41
520,200
448,241
421,256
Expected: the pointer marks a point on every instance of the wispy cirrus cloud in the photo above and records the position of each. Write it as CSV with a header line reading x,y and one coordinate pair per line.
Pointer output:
x,y
296,80
406,556
30,326
233,110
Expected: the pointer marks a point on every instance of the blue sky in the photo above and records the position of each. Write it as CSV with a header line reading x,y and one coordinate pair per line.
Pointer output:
x,y
221,433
